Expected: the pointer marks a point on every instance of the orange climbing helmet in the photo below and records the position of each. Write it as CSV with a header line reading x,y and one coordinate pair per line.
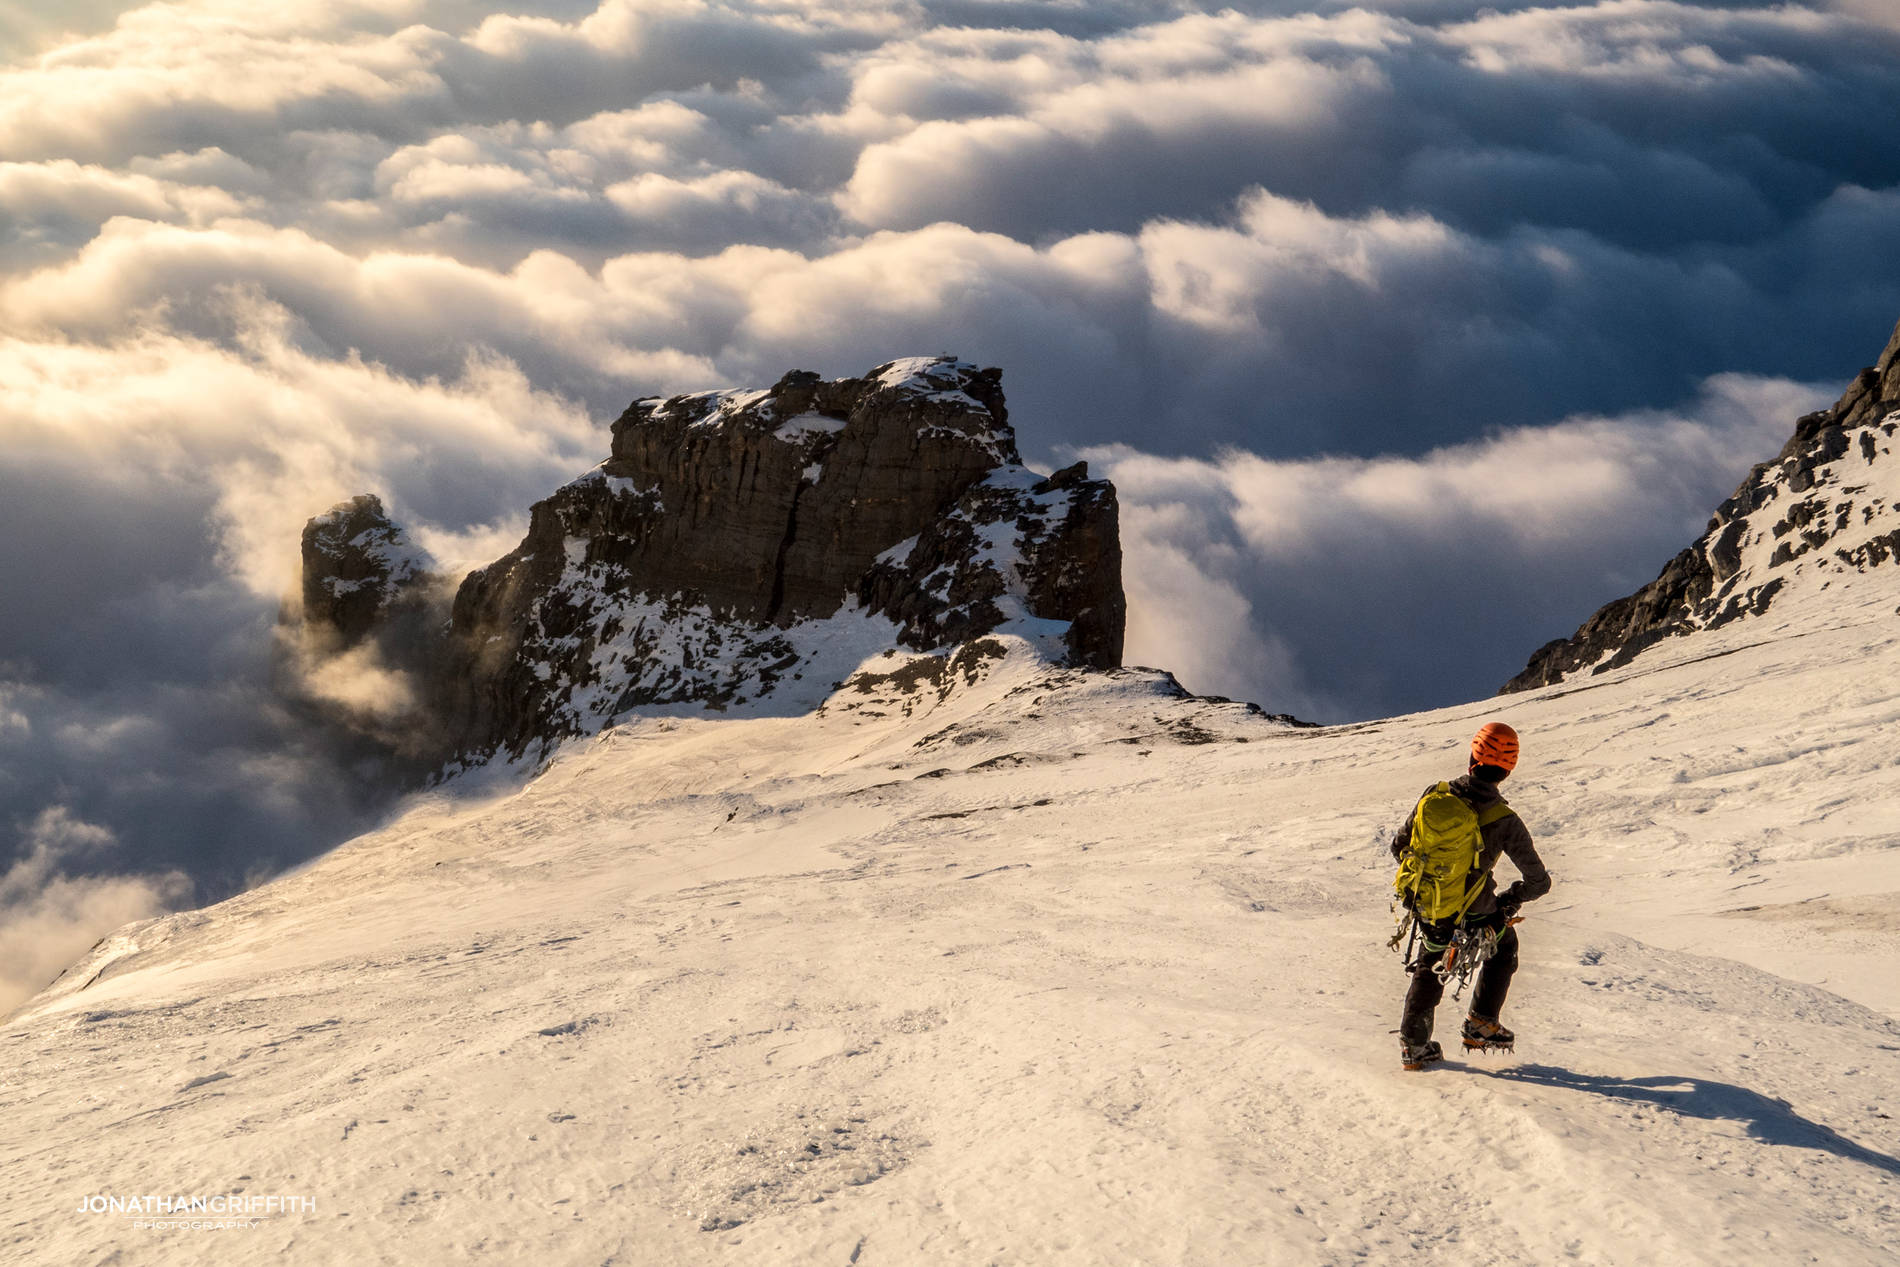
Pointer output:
x,y
1495,744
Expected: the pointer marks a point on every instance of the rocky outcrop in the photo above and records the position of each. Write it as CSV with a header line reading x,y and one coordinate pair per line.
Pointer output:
x,y
769,505
736,542
357,566
1826,505
1014,546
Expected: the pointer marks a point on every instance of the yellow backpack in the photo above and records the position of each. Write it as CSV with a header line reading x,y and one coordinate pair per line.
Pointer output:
x,y
1439,876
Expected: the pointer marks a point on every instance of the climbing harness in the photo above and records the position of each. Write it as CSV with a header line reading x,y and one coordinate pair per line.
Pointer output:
x,y
1453,960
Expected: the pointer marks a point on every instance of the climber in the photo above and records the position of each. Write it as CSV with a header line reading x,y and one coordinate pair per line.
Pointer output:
x,y
1446,851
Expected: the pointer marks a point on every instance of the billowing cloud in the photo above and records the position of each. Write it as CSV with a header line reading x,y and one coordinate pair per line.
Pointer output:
x,y
49,916
1461,560
46,209
156,486
1367,290
263,433
1265,328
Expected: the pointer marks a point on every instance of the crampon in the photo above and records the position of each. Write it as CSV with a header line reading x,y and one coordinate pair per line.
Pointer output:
x,y
1483,1034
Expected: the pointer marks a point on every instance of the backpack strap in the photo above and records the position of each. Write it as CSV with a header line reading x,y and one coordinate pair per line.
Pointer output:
x,y
1494,814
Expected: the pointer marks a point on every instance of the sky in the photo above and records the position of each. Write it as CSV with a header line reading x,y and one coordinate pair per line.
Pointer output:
x,y
1410,331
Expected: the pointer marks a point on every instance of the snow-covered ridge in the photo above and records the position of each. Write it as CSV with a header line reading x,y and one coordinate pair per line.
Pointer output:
x,y
939,379
990,960
1800,534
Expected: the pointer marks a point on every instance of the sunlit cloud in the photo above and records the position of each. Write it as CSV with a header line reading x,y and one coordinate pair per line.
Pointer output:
x,y
49,916
272,433
1462,559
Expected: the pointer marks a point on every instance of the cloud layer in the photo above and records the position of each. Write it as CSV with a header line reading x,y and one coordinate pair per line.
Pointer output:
x,y
1349,298
1461,561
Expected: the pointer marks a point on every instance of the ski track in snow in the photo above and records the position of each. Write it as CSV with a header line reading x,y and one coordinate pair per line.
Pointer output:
x,y
1051,970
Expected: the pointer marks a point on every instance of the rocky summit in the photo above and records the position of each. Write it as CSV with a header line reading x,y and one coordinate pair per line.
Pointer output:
x,y
1825,508
357,569
736,543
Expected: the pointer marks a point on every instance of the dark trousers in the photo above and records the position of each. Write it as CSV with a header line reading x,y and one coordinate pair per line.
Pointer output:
x,y
1494,982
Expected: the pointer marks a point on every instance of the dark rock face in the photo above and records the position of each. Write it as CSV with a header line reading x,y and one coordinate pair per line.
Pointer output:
x,y
734,540
1826,503
356,567
771,504
953,583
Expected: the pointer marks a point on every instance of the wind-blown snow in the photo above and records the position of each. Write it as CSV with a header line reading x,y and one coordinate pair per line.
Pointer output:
x,y
722,404
802,427
986,961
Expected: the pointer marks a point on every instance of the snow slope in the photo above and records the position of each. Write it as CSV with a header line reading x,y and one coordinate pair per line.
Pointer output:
x,y
991,962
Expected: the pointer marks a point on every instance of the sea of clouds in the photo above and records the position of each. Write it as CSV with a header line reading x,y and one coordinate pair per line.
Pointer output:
x,y
1411,330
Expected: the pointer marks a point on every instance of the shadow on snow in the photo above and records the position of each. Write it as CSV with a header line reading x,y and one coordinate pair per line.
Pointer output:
x,y
1769,1120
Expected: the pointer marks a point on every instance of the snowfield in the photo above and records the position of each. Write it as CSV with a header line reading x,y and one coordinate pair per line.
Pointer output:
x,y
999,963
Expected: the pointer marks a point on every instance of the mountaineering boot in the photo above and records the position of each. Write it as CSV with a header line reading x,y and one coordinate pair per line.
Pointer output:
x,y
1484,1034
1426,1053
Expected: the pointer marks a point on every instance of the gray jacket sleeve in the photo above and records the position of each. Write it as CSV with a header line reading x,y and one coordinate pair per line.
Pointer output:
x,y
1509,837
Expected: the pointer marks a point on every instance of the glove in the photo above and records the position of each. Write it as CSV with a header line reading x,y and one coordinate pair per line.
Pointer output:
x,y
1509,902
